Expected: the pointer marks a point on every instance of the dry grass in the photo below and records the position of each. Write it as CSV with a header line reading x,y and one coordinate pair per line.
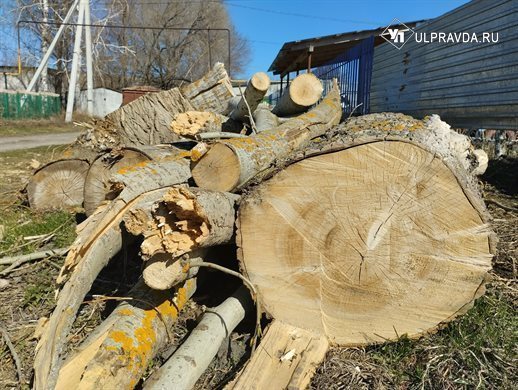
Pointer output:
x,y
478,350
39,126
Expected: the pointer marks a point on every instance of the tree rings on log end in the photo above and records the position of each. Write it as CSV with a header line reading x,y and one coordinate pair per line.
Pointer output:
x,y
58,185
260,81
220,170
305,90
365,244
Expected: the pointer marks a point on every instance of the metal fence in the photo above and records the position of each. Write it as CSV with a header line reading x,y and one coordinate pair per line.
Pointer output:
x,y
353,69
19,105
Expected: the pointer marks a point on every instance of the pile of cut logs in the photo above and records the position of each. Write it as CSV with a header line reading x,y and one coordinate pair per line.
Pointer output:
x,y
347,232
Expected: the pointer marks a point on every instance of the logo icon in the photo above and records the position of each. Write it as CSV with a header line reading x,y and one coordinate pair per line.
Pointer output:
x,y
397,33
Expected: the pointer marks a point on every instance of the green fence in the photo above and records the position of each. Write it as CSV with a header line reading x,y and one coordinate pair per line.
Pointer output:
x,y
19,105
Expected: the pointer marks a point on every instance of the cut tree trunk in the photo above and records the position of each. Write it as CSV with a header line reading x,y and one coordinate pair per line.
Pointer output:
x,y
162,271
302,93
147,120
191,359
287,358
99,239
253,95
191,123
97,187
183,220
118,353
212,92
372,236
230,165
58,185
265,119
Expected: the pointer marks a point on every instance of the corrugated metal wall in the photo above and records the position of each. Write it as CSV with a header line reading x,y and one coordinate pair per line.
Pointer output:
x,y
471,85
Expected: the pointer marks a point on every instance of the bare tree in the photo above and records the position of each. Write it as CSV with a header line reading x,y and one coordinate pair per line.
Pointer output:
x,y
162,57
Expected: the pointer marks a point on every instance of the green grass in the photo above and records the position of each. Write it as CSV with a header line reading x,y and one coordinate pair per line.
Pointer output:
x,y
20,222
479,350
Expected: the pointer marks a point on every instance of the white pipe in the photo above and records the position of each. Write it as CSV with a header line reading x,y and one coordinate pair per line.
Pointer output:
x,y
89,66
75,63
46,57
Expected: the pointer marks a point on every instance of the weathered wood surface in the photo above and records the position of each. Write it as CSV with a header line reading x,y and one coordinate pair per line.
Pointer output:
x,y
253,94
230,165
304,91
99,239
58,185
118,353
369,237
147,120
191,359
183,220
99,182
287,358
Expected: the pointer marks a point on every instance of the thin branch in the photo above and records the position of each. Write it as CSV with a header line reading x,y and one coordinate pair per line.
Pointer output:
x,y
16,261
250,116
15,356
221,134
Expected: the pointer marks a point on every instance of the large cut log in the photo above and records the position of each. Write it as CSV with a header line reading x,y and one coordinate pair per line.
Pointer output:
x,y
191,359
191,123
183,220
374,235
253,94
304,91
230,165
265,119
58,184
97,188
118,353
212,92
147,120
286,359
99,239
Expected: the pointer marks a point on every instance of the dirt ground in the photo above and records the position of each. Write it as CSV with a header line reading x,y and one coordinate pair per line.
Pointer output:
x,y
478,350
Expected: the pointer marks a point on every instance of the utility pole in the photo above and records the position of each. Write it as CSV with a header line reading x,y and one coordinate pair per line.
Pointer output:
x,y
46,57
75,63
44,43
89,66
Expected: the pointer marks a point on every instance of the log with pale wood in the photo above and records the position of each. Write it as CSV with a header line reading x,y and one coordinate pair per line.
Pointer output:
x,y
244,106
303,92
230,165
348,234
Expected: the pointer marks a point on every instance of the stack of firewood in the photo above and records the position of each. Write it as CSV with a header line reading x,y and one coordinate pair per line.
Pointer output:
x,y
349,234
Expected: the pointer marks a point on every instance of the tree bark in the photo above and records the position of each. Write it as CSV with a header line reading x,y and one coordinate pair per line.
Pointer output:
x,y
302,93
265,119
118,353
212,92
230,165
97,187
371,236
147,120
99,239
253,95
191,123
191,359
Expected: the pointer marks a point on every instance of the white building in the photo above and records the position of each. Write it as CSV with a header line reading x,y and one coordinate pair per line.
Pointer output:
x,y
105,102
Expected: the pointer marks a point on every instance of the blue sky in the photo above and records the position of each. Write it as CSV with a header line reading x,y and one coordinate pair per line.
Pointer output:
x,y
268,30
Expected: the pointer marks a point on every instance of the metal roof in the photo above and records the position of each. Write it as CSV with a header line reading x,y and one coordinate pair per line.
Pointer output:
x,y
293,55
